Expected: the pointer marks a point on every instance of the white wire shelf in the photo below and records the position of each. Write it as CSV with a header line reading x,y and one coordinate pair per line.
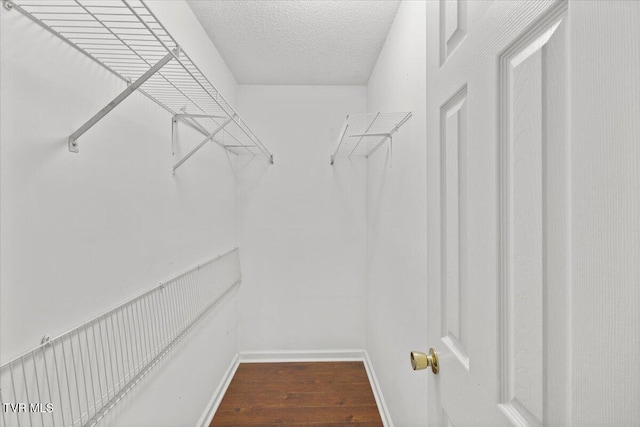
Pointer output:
x,y
75,378
126,38
362,134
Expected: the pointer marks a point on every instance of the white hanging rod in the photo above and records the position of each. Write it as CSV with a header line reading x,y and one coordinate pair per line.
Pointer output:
x,y
127,39
199,116
238,146
368,128
362,135
191,121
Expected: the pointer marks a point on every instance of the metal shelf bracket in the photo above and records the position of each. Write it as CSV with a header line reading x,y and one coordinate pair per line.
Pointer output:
x,y
203,143
73,139
345,127
189,120
371,130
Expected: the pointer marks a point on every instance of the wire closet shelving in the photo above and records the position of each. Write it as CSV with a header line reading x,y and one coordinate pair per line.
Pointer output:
x,y
362,134
126,38
76,378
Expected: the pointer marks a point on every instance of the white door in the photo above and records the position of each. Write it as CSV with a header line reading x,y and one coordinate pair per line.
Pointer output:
x,y
511,126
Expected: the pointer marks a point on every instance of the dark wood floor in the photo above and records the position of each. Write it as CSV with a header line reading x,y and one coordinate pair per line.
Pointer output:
x,y
330,394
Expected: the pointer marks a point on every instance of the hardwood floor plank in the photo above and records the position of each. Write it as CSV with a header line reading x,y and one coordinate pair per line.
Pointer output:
x,y
261,415
347,424
326,394
341,414
312,399
295,387
296,366
336,377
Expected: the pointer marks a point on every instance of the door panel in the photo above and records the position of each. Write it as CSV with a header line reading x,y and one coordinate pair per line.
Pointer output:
x,y
453,182
533,205
497,123
453,26
533,223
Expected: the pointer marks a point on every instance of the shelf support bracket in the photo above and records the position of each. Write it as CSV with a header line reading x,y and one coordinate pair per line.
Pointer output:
x,y
388,136
188,120
362,136
344,131
202,144
73,139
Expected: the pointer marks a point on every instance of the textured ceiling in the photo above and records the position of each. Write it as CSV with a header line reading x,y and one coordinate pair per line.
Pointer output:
x,y
298,42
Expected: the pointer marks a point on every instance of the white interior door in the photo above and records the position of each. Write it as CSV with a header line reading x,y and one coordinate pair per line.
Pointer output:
x,y
501,81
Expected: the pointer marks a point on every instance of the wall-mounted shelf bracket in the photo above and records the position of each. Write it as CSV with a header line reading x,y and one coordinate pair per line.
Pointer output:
x,y
368,129
345,127
203,143
388,136
73,139
190,120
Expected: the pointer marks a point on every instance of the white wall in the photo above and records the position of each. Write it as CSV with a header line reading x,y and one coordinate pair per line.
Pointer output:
x,y
302,223
397,221
81,233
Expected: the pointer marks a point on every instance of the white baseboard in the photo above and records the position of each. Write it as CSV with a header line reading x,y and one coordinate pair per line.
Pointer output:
x,y
301,356
212,406
377,392
297,356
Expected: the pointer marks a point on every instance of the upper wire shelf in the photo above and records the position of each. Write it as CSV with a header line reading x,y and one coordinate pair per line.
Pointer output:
x,y
362,134
126,38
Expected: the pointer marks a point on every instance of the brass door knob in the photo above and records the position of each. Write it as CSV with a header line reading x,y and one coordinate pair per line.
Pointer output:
x,y
420,360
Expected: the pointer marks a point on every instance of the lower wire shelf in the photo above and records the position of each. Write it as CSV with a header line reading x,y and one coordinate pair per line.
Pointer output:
x,y
83,373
